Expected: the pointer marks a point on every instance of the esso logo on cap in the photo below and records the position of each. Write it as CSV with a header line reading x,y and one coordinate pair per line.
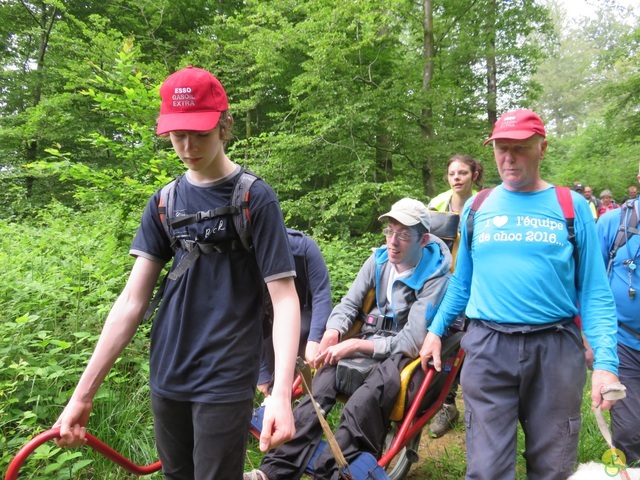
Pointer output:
x,y
182,90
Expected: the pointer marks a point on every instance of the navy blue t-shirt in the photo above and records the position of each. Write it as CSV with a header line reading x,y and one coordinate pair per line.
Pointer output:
x,y
207,333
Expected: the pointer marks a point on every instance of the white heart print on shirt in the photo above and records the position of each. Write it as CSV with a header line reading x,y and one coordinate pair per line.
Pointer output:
x,y
500,220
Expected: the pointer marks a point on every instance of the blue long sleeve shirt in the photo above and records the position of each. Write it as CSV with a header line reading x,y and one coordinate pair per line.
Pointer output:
x,y
521,269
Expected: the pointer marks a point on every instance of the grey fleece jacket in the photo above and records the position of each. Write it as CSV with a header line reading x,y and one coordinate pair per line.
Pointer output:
x,y
414,303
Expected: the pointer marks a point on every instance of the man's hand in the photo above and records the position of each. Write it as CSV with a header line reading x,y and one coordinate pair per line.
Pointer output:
x,y
73,423
311,352
264,389
431,348
600,379
345,349
330,338
278,425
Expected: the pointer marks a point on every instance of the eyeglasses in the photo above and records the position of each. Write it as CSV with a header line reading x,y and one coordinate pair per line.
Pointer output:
x,y
404,236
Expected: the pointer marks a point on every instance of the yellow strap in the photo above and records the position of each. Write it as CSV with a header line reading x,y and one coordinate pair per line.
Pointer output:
x,y
397,413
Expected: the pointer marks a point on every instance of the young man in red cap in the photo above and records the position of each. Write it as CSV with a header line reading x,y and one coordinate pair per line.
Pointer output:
x,y
520,285
207,333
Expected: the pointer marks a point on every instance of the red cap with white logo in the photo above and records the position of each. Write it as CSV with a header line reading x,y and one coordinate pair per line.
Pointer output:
x,y
517,125
192,99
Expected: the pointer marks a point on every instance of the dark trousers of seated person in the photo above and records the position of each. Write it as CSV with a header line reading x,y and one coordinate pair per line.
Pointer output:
x,y
363,424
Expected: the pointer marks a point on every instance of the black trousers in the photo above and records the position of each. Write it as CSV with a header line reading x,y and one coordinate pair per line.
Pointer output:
x,y
625,414
363,424
199,440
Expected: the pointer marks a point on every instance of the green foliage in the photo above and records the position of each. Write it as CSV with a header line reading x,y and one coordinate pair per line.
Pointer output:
x,y
62,273
591,101
344,257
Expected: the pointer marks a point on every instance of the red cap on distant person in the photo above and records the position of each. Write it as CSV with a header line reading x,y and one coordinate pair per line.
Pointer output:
x,y
517,125
192,99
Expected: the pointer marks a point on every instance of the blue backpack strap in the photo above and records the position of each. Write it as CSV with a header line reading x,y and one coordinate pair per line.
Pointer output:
x,y
478,200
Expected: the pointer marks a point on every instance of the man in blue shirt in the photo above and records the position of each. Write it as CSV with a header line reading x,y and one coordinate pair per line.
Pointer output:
x,y
521,286
624,278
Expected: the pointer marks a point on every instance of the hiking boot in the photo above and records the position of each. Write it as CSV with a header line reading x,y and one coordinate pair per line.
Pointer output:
x,y
255,475
444,420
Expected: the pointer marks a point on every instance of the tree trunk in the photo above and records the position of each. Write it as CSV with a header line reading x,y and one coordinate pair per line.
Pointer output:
x,y
384,160
45,24
428,54
492,83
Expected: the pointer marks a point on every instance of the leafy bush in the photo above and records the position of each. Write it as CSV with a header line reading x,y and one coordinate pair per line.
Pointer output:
x,y
62,271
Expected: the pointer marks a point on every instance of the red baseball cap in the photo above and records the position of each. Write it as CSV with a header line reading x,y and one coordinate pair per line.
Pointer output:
x,y
192,99
517,125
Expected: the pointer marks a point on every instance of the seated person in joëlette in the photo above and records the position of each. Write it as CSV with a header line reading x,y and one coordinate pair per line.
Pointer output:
x,y
410,275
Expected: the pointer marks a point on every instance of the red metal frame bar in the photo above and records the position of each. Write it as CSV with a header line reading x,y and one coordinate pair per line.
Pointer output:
x,y
409,428
411,425
93,442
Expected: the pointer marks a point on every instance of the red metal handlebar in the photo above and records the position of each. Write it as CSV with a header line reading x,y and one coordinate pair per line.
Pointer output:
x,y
93,442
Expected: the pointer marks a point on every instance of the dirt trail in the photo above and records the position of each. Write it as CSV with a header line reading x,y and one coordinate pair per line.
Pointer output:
x,y
435,448
452,441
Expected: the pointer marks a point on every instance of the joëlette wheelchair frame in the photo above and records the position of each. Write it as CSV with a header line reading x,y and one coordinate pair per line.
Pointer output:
x,y
428,395
424,397
425,400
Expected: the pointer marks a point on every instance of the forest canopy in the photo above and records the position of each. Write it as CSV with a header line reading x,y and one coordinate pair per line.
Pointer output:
x,y
342,106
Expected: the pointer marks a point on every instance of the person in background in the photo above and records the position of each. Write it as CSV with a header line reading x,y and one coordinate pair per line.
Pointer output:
x,y
207,334
632,193
624,278
409,276
581,189
520,286
314,294
463,172
593,200
607,202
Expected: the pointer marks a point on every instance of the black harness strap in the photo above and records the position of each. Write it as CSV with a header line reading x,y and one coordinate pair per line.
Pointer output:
x,y
241,219
628,226
185,220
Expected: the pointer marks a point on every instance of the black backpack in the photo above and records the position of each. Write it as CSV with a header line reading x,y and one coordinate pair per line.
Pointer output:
x,y
238,209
